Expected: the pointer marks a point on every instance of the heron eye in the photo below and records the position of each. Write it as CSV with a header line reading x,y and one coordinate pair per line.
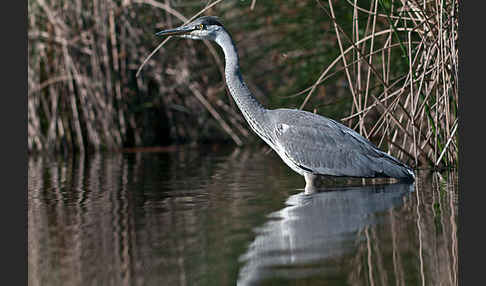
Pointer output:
x,y
200,26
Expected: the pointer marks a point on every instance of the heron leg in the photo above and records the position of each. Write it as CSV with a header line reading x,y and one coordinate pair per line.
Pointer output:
x,y
310,183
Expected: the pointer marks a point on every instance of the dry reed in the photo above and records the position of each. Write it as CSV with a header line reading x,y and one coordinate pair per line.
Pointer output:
x,y
412,112
83,92
399,60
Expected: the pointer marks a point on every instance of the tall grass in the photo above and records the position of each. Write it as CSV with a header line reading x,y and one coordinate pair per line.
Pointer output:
x,y
83,92
400,59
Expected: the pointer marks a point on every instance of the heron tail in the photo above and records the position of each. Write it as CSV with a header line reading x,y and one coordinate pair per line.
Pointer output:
x,y
396,169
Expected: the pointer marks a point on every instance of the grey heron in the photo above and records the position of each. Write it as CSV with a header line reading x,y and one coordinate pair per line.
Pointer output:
x,y
310,144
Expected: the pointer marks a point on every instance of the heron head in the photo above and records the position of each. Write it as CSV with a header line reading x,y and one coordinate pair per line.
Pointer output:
x,y
203,28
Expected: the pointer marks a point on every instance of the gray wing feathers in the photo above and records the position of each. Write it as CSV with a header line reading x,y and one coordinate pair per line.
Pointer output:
x,y
327,147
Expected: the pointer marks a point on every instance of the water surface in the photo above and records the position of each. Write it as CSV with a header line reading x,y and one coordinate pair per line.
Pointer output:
x,y
222,216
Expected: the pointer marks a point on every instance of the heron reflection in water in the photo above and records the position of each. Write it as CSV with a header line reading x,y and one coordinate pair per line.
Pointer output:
x,y
310,144
299,240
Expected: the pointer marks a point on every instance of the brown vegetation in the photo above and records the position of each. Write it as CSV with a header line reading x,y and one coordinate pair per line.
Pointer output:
x,y
415,108
398,59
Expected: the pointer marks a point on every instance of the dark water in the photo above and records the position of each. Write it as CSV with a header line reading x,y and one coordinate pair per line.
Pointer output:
x,y
231,216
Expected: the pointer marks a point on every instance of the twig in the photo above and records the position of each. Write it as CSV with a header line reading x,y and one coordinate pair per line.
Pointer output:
x,y
175,13
216,115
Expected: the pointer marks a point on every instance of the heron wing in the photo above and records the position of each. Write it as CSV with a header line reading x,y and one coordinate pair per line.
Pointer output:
x,y
323,146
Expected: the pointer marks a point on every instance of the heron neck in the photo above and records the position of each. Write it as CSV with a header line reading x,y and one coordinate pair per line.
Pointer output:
x,y
252,110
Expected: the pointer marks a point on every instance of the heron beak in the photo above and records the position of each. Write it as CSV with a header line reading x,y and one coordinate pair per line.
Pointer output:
x,y
174,32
